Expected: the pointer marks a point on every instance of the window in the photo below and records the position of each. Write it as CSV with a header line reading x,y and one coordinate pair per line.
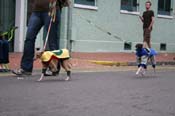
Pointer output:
x,y
164,7
163,46
129,5
86,2
127,46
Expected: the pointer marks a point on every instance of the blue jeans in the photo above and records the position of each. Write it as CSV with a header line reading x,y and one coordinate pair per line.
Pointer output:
x,y
36,22
1,51
4,51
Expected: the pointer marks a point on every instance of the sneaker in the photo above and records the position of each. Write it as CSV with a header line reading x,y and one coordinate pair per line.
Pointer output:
x,y
50,73
21,72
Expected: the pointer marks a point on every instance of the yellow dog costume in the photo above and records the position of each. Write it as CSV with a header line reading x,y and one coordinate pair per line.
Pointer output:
x,y
60,54
51,59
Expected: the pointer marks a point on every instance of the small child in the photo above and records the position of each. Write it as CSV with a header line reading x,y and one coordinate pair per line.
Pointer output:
x,y
142,57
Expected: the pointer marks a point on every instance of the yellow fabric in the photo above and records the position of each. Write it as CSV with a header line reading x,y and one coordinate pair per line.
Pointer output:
x,y
60,54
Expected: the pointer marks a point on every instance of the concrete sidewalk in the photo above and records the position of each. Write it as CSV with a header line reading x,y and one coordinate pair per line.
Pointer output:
x,y
98,60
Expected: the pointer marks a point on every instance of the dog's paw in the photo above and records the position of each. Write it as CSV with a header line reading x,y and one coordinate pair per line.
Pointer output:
x,y
154,70
67,78
143,73
39,79
137,73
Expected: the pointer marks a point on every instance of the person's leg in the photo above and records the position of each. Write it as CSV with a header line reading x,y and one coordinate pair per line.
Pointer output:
x,y
1,51
149,40
35,24
6,54
54,35
6,51
1,56
146,40
145,44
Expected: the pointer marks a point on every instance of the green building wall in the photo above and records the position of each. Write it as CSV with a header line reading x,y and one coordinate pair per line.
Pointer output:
x,y
85,37
88,38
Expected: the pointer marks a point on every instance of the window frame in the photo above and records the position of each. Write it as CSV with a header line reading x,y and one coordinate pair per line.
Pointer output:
x,y
161,15
137,12
83,6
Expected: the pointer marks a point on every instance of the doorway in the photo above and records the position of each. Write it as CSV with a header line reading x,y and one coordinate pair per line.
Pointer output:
x,y
7,18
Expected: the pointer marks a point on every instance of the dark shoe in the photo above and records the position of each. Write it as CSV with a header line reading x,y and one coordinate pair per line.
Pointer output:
x,y
7,70
21,72
2,70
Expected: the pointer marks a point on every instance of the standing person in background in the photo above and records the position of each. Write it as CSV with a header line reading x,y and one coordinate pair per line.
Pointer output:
x,y
1,53
148,21
38,19
4,53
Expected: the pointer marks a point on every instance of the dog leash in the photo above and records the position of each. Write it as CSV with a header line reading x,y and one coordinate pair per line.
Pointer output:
x,y
52,14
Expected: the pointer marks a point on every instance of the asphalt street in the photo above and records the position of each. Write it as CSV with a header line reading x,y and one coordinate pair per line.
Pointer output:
x,y
90,94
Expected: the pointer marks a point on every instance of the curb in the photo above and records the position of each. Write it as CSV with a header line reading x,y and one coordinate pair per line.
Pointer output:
x,y
109,63
115,63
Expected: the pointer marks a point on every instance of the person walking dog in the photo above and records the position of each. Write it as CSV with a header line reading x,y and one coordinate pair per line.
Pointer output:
x,y
42,13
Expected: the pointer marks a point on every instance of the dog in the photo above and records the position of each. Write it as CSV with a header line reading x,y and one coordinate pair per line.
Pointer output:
x,y
52,60
143,55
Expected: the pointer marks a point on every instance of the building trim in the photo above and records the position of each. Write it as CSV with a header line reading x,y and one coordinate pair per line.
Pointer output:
x,y
165,16
20,21
85,7
128,12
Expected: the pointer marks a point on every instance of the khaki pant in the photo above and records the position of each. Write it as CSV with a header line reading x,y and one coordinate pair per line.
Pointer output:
x,y
147,36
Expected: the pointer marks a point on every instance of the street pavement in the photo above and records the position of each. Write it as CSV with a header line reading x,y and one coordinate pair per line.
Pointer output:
x,y
106,93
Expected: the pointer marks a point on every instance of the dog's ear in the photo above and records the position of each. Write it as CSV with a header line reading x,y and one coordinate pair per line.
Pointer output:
x,y
38,52
136,46
139,45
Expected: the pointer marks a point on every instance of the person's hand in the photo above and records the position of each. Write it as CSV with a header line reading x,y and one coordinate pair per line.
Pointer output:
x,y
65,3
149,28
141,18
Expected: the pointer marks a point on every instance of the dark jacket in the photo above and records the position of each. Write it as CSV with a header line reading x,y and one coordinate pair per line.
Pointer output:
x,y
43,5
